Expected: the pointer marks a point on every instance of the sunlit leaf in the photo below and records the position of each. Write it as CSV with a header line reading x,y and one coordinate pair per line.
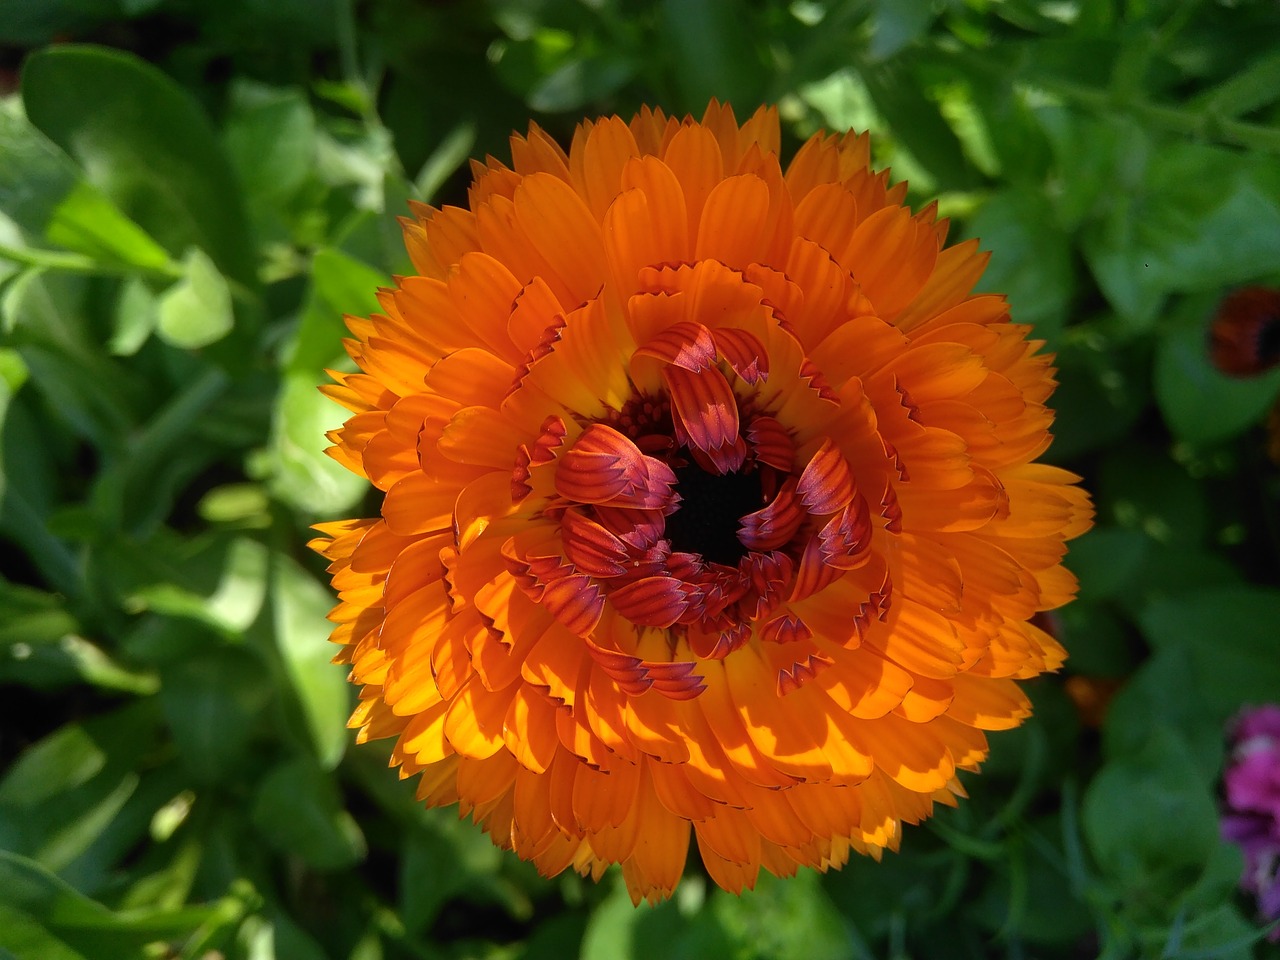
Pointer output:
x,y
299,606
146,143
44,193
196,310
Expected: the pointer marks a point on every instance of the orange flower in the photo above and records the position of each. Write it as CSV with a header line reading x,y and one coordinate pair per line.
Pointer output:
x,y
710,505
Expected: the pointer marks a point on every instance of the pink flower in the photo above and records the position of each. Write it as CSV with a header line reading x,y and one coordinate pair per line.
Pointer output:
x,y
1252,820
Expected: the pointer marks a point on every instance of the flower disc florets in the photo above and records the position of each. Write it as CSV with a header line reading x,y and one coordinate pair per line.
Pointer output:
x,y
710,504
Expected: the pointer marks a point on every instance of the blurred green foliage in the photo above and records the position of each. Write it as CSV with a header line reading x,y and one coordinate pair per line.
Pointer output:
x,y
195,192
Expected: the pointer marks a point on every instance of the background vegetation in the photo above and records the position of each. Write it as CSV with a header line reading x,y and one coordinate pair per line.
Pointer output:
x,y
195,191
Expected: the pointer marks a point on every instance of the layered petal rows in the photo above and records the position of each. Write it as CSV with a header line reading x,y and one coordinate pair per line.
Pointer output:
x,y
711,508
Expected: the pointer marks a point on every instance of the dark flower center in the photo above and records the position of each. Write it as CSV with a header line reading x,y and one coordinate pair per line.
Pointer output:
x,y
711,510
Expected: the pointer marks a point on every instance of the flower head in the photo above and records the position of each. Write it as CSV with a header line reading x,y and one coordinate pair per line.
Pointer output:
x,y
710,508
1252,781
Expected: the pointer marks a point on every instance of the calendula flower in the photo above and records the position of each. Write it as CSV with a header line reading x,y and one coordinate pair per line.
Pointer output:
x,y
710,507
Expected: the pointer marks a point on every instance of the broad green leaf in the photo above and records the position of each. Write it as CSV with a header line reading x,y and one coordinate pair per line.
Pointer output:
x,y
220,582
302,475
1030,259
898,23
580,81
916,121
1175,570
1200,403
715,53
375,236
146,142
444,859
298,810
1090,154
44,193
1106,559
1229,636
45,316
196,310
137,312
340,285
685,928
213,702
782,919
1103,391
1192,218
44,661
1149,818
1165,695
276,937
299,606
270,137
558,937
62,761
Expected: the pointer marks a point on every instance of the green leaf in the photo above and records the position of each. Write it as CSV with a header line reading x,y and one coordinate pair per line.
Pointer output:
x,y
340,285
195,311
137,312
1191,218
301,474
581,81
1149,818
67,789
26,937
37,908
1029,879
899,23
270,137
44,314
450,154
1106,559
713,51
1229,635
300,605
444,858
147,144
298,810
1200,403
48,197
219,581
1103,391
685,928
30,616
1030,259
782,919
917,121
213,702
